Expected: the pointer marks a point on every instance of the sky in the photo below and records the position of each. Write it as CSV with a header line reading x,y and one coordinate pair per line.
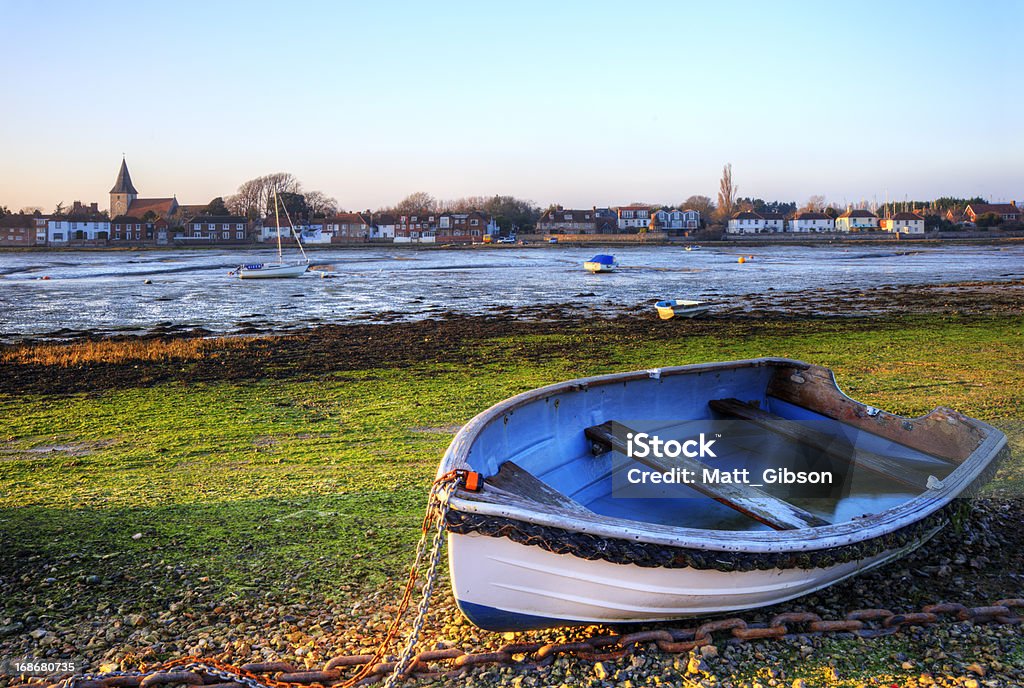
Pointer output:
x,y
578,103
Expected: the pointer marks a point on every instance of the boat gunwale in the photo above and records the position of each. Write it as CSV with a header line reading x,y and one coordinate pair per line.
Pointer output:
x,y
802,539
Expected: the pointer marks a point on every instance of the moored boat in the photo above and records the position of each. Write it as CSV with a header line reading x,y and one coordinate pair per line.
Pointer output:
x,y
682,308
271,271
601,263
280,269
551,539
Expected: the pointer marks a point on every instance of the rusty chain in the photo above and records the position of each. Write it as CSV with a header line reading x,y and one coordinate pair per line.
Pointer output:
x,y
212,673
863,623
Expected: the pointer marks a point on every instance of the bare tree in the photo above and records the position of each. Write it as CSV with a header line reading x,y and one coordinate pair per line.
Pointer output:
x,y
32,210
815,203
418,201
726,193
702,204
320,204
255,197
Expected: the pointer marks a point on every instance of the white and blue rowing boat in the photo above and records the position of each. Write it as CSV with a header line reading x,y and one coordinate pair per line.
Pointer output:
x,y
550,538
682,308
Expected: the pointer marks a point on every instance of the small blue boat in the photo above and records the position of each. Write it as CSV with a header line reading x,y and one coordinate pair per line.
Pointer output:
x,y
602,262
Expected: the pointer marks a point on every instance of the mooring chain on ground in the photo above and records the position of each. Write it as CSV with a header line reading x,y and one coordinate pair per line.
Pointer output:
x,y
863,623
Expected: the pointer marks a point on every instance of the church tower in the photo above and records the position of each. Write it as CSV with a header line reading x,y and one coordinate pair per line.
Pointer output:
x,y
123,193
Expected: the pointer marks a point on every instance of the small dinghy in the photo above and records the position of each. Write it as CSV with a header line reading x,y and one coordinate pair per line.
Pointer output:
x,y
559,532
602,262
682,308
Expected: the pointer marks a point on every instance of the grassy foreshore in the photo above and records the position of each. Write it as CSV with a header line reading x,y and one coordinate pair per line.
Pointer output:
x,y
152,491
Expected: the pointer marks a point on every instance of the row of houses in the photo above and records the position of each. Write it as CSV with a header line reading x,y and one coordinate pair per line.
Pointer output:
x,y
807,221
96,230
628,218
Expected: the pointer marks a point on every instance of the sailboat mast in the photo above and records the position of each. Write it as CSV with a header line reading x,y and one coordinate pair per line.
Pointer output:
x,y
277,219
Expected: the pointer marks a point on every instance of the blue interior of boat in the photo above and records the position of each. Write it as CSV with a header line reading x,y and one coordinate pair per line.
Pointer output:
x,y
546,438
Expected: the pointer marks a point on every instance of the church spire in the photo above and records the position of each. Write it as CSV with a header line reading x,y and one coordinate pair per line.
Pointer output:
x,y
123,185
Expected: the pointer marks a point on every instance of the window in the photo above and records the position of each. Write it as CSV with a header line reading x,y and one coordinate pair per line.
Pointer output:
x,y
240,234
474,222
196,232
226,235
137,237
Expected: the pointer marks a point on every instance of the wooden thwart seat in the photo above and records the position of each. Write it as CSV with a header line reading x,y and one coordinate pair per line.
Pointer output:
x,y
830,445
748,500
513,484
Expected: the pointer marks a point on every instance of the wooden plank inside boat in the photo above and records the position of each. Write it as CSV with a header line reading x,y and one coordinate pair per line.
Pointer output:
x,y
831,445
943,432
748,500
516,486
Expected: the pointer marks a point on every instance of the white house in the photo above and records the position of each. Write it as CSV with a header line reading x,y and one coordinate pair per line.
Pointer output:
x,y
745,222
906,223
635,217
810,221
382,226
268,229
61,230
675,219
857,221
774,222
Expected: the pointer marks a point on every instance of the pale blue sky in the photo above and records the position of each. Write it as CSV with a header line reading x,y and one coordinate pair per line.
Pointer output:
x,y
579,103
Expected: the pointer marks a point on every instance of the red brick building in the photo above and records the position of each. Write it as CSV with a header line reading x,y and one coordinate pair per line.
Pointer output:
x,y
1009,212
18,230
130,230
214,229
348,227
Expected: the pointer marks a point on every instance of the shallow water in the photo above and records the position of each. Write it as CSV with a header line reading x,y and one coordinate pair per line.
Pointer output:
x,y
105,291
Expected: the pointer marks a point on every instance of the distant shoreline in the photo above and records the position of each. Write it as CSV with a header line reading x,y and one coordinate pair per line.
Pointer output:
x,y
536,244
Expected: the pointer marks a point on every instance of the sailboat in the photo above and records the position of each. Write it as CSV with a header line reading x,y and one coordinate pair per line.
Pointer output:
x,y
280,269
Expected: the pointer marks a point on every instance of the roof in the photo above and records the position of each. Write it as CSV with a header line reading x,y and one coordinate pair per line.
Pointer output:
x,y
78,218
353,218
811,215
858,213
231,219
127,219
160,206
575,215
746,215
384,218
634,207
907,216
997,208
123,184
19,220
773,216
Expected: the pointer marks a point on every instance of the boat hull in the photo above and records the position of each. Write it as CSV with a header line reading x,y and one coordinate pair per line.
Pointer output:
x,y
548,543
501,585
593,267
681,309
273,272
